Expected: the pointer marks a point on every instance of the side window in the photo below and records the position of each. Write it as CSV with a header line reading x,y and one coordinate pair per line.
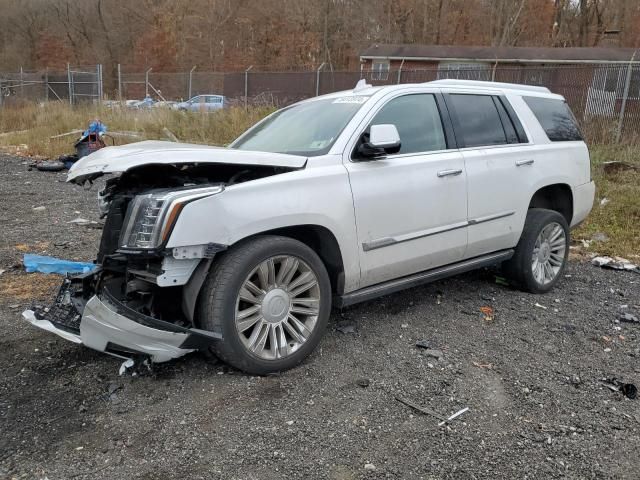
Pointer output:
x,y
417,119
555,117
478,121
507,123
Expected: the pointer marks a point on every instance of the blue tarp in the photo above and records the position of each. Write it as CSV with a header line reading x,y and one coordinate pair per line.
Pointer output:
x,y
42,264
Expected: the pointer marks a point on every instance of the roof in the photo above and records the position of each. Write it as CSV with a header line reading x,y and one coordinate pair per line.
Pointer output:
x,y
505,54
366,90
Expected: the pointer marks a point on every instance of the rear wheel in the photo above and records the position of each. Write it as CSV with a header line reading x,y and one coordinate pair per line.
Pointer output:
x,y
542,252
270,298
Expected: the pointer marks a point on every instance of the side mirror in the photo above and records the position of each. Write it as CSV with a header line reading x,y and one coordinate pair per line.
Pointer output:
x,y
381,140
384,136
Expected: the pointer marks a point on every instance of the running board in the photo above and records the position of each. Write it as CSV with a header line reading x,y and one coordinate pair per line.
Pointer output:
x,y
392,286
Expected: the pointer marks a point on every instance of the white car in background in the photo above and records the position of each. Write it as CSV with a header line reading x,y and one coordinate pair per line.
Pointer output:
x,y
332,201
202,103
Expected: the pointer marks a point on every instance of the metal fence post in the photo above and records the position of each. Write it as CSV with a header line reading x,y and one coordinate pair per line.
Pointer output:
x,y
21,83
99,75
146,82
625,95
70,84
46,84
190,81
119,84
400,71
318,78
246,85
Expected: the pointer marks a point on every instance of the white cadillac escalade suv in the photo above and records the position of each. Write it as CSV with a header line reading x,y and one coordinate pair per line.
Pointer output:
x,y
332,201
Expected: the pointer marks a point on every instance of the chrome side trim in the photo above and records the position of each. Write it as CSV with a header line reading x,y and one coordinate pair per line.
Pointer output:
x,y
490,218
388,241
392,286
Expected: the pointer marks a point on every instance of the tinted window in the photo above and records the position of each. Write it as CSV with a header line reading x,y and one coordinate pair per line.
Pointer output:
x,y
555,117
418,122
478,120
507,123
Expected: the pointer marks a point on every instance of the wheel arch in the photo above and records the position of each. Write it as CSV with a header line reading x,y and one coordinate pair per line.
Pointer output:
x,y
557,197
322,241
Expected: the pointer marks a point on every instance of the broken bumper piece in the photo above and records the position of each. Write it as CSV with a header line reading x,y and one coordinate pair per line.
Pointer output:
x,y
108,326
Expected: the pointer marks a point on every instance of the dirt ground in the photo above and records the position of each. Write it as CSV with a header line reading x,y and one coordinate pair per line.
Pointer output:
x,y
531,377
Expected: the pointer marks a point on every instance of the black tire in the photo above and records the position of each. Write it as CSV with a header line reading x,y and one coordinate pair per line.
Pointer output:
x,y
217,304
50,166
519,268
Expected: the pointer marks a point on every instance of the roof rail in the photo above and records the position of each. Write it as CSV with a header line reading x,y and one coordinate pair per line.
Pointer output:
x,y
484,84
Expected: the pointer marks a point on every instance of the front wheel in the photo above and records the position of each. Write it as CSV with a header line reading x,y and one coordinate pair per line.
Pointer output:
x,y
542,252
270,298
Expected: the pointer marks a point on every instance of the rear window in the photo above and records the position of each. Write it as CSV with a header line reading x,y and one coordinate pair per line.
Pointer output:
x,y
478,119
556,118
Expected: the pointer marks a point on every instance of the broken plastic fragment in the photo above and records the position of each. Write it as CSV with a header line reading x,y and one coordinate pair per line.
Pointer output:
x,y
43,264
125,365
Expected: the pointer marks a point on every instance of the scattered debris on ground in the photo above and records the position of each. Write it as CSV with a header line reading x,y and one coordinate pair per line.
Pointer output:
x,y
346,326
426,411
44,264
628,318
455,415
629,390
83,222
488,314
615,263
616,166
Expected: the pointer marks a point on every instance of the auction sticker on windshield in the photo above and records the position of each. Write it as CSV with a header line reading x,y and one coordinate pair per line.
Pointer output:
x,y
359,99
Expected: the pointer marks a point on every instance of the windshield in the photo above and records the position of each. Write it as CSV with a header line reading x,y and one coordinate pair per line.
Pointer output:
x,y
308,129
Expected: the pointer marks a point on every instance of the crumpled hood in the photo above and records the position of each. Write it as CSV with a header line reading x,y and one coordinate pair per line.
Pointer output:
x,y
122,158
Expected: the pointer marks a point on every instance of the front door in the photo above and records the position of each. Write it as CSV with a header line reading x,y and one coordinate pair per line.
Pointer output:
x,y
410,207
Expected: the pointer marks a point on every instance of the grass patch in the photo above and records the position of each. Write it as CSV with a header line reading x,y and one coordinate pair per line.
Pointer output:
x,y
28,286
619,219
35,125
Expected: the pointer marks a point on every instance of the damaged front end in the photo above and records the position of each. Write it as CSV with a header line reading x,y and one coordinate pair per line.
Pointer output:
x,y
85,312
141,298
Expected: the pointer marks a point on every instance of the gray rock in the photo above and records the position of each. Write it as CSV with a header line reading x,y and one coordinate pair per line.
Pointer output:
x,y
437,354
346,326
628,318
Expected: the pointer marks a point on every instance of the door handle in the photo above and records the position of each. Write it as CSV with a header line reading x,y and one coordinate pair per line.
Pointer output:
x,y
446,173
519,163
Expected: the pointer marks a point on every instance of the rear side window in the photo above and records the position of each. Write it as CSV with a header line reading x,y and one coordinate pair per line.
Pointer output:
x,y
556,118
478,121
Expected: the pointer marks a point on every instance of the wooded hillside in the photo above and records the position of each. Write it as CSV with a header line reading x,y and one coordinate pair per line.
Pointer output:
x,y
170,35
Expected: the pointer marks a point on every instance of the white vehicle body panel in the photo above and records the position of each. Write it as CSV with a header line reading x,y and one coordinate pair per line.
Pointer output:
x,y
318,195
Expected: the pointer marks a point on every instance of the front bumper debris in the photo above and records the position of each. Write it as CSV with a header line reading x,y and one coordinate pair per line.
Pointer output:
x,y
106,325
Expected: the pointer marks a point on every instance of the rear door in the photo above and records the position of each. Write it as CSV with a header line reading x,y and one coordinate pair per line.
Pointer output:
x,y
499,162
410,207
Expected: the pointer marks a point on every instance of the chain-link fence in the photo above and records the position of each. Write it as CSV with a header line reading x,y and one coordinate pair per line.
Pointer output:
x,y
75,85
605,99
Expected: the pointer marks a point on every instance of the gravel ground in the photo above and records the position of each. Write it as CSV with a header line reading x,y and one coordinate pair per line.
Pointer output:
x,y
531,377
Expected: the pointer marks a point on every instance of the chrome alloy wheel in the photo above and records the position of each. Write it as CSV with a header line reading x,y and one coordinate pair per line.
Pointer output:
x,y
277,307
548,253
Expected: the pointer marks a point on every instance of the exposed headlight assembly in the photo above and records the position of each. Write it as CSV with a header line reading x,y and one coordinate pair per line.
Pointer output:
x,y
151,217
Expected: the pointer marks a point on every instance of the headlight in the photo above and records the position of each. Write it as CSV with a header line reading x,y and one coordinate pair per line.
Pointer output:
x,y
150,217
